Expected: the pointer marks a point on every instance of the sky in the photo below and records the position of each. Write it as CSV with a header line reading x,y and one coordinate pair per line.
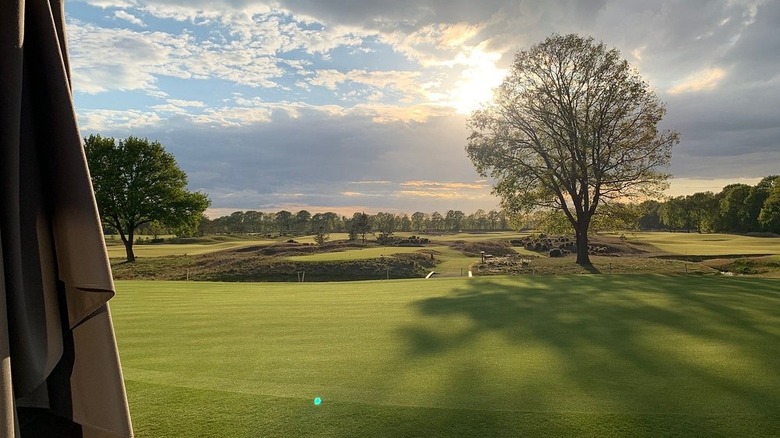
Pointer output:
x,y
361,105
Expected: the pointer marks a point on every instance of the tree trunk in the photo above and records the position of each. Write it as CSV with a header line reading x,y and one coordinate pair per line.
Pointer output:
x,y
583,258
127,240
129,251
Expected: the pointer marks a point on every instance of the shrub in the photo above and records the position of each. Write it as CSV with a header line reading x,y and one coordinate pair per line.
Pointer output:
x,y
556,252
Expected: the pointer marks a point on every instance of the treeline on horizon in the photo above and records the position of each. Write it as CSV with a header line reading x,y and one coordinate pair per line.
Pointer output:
x,y
303,222
738,208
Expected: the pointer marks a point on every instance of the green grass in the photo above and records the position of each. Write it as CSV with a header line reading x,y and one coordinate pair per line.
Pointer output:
x,y
360,253
707,244
534,356
451,262
170,249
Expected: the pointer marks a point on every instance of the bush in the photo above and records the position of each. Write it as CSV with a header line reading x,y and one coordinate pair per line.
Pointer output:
x,y
556,252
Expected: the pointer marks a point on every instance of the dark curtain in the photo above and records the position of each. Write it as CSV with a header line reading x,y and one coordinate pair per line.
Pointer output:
x,y
59,368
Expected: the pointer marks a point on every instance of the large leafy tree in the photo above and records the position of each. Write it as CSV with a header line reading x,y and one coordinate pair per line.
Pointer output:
x,y
733,211
137,182
758,195
572,126
769,217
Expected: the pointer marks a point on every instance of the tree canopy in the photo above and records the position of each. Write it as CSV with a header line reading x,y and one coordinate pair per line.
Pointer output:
x,y
571,127
137,182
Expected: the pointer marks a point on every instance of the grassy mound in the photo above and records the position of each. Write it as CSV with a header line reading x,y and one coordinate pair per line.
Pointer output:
x,y
768,266
270,264
474,248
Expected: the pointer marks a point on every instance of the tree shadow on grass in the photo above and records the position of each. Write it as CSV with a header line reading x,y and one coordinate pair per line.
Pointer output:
x,y
591,268
644,348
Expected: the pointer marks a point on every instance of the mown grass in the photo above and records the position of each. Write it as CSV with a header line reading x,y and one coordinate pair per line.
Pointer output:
x,y
117,250
533,356
707,244
361,253
450,262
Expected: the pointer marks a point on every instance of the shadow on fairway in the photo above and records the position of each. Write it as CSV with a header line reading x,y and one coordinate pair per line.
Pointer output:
x,y
657,354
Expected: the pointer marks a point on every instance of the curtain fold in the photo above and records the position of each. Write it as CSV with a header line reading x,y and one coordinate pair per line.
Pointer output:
x,y
59,366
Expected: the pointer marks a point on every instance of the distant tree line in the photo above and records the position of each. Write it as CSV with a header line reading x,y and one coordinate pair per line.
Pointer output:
x,y
738,208
303,222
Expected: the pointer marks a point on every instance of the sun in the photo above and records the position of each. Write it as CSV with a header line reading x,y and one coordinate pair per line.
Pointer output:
x,y
477,80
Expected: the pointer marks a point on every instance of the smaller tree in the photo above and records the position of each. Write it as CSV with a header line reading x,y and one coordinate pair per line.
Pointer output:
x,y
137,182
360,225
650,217
703,208
675,215
453,220
418,221
385,223
302,219
283,220
321,236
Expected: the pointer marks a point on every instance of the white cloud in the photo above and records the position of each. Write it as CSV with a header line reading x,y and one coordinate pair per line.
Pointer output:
x,y
111,3
187,103
130,18
703,80
104,120
130,60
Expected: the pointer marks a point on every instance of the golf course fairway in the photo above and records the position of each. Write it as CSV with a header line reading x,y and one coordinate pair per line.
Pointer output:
x,y
579,355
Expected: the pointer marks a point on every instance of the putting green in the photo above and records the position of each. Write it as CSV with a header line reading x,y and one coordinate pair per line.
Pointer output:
x,y
537,356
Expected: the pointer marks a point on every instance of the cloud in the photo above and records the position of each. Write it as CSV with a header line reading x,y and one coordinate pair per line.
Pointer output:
x,y
305,102
111,3
406,82
120,121
686,186
445,185
130,18
187,103
331,161
703,80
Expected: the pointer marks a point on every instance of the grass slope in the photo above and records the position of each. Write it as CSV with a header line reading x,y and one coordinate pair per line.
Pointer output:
x,y
499,356
707,244
117,251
